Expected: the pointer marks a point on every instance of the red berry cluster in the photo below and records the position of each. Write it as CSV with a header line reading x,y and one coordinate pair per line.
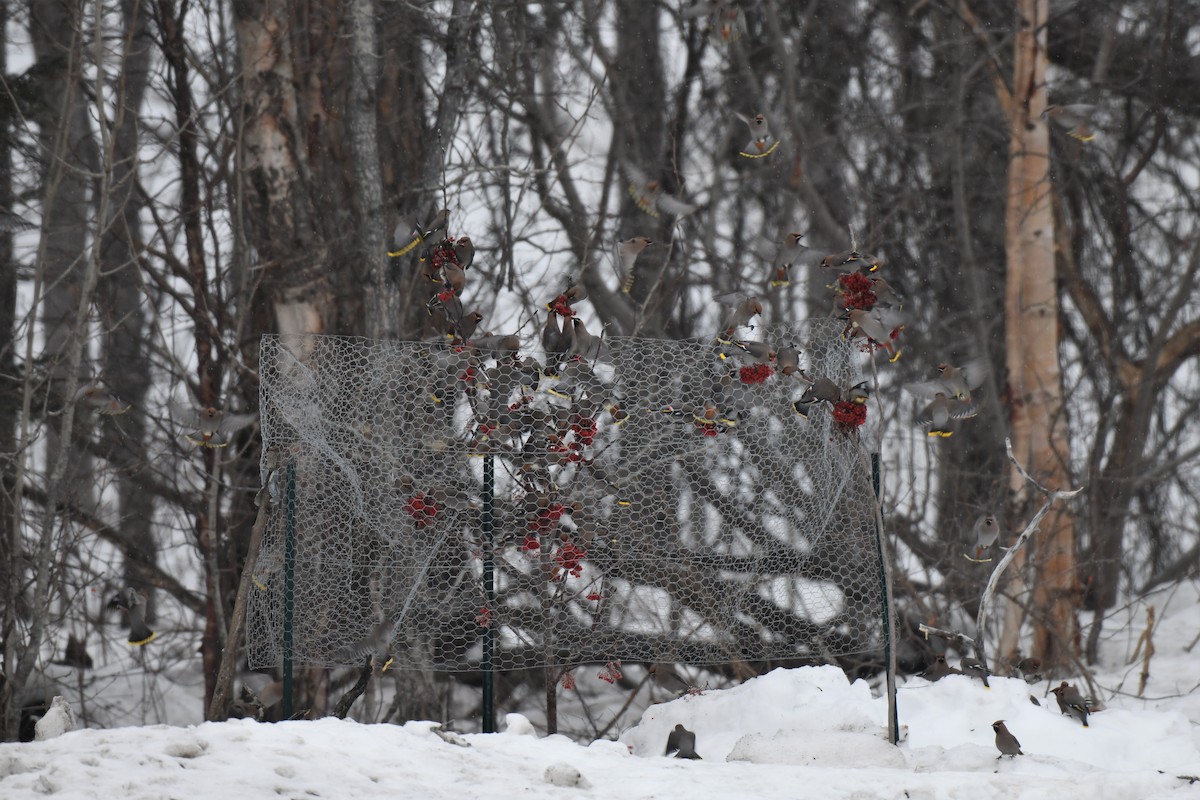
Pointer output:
x,y
483,617
443,252
610,672
422,509
856,290
848,416
568,680
561,306
755,373
570,558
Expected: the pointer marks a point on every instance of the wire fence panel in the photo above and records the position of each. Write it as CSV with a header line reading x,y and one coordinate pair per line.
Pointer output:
x,y
660,501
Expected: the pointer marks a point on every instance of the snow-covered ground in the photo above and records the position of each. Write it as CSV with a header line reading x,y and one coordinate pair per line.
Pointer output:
x,y
788,734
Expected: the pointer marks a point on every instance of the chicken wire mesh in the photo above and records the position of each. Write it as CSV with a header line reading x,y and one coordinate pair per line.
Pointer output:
x,y
663,502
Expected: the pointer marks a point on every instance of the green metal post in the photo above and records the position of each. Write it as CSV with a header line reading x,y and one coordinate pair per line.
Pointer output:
x,y
489,588
289,576
885,591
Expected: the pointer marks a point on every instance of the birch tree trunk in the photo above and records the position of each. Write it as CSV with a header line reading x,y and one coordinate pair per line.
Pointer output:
x,y
1031,322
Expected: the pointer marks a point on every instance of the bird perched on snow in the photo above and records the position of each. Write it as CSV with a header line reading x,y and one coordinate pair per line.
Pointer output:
x,y
209,426
1075,119
96,396
1071,702
939,669
788,253
681,743
133,602
976,669
1006,743
875,326
742,307
649,195
57,720
985,532
954,382
761,143
938,413
627,253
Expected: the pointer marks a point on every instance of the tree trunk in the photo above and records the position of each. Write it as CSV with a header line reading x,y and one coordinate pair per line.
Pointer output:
x,y
1031,316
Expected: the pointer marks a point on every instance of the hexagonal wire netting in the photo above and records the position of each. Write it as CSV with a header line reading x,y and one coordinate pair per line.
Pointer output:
x,y
661,503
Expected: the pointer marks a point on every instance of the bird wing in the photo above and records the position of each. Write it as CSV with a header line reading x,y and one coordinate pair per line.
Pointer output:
x,y
235,422
926,390
975,372
186,416
675,206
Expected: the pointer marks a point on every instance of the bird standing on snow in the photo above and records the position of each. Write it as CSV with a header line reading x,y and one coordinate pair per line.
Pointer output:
x,y
1006,743
985,532
133,603
939,669
976,669
681,743
1071,702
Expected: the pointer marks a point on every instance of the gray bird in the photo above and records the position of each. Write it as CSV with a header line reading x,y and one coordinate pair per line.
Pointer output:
x,y
954,382
435,229
377,644
464,252
14,223
467,326
496,345
1071,702
405,236
742,307
649,195
938,413
627,253
75,654
209,426
788,253
761,143
760,352
859,393
885,295
133,603
872,324
787,360
820,390
96,396
976,669
850,261
1006,743
586,345
939,669
557,342
985,532
454,276
1075,119
681,743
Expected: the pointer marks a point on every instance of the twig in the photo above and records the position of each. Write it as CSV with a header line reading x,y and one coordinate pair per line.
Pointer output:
x,y
364,677
1030,529
959,638
1147,639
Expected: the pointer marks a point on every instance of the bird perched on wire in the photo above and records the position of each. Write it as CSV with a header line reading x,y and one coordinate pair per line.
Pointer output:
x,y
627,254
787,360
976,669
209,426
985,532
133,603
762,142
1074,118
1006,743
938,413
820,390
651,198
1071,702
681,743
557,342
96,396
760,352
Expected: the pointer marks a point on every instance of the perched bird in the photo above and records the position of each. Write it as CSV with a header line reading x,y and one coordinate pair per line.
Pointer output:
x,y
96,396
467,325
649,195
787,360
133,603
1075,119
377,644
557,342
1029,669
464,252
627,253
759,351
454,277
209,426
497,345
761,143
859,393
985,532
681,743
938,413
1006,743
742,307
435,229
885,295
939,669
872,325
850,261
1071,702
562,303
586,345
976,669
14,223
954,382
820,390
787,254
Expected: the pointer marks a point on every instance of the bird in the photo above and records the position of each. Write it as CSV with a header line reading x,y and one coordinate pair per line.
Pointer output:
x,y
758,351
858,393
787,360
820,390
872,325
976,669
586,345
496,345
96,396
209,426
133,603
985,531
742,307
377,644
649,195
1029,669
14,223
787,254
464,252
1006,743
761,143
627,253
885,295
557,342
1074,118
938,413
939,669
435,230
955,382
1071,702
467,325
564,301
454,277
850,261
405,236
681,743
